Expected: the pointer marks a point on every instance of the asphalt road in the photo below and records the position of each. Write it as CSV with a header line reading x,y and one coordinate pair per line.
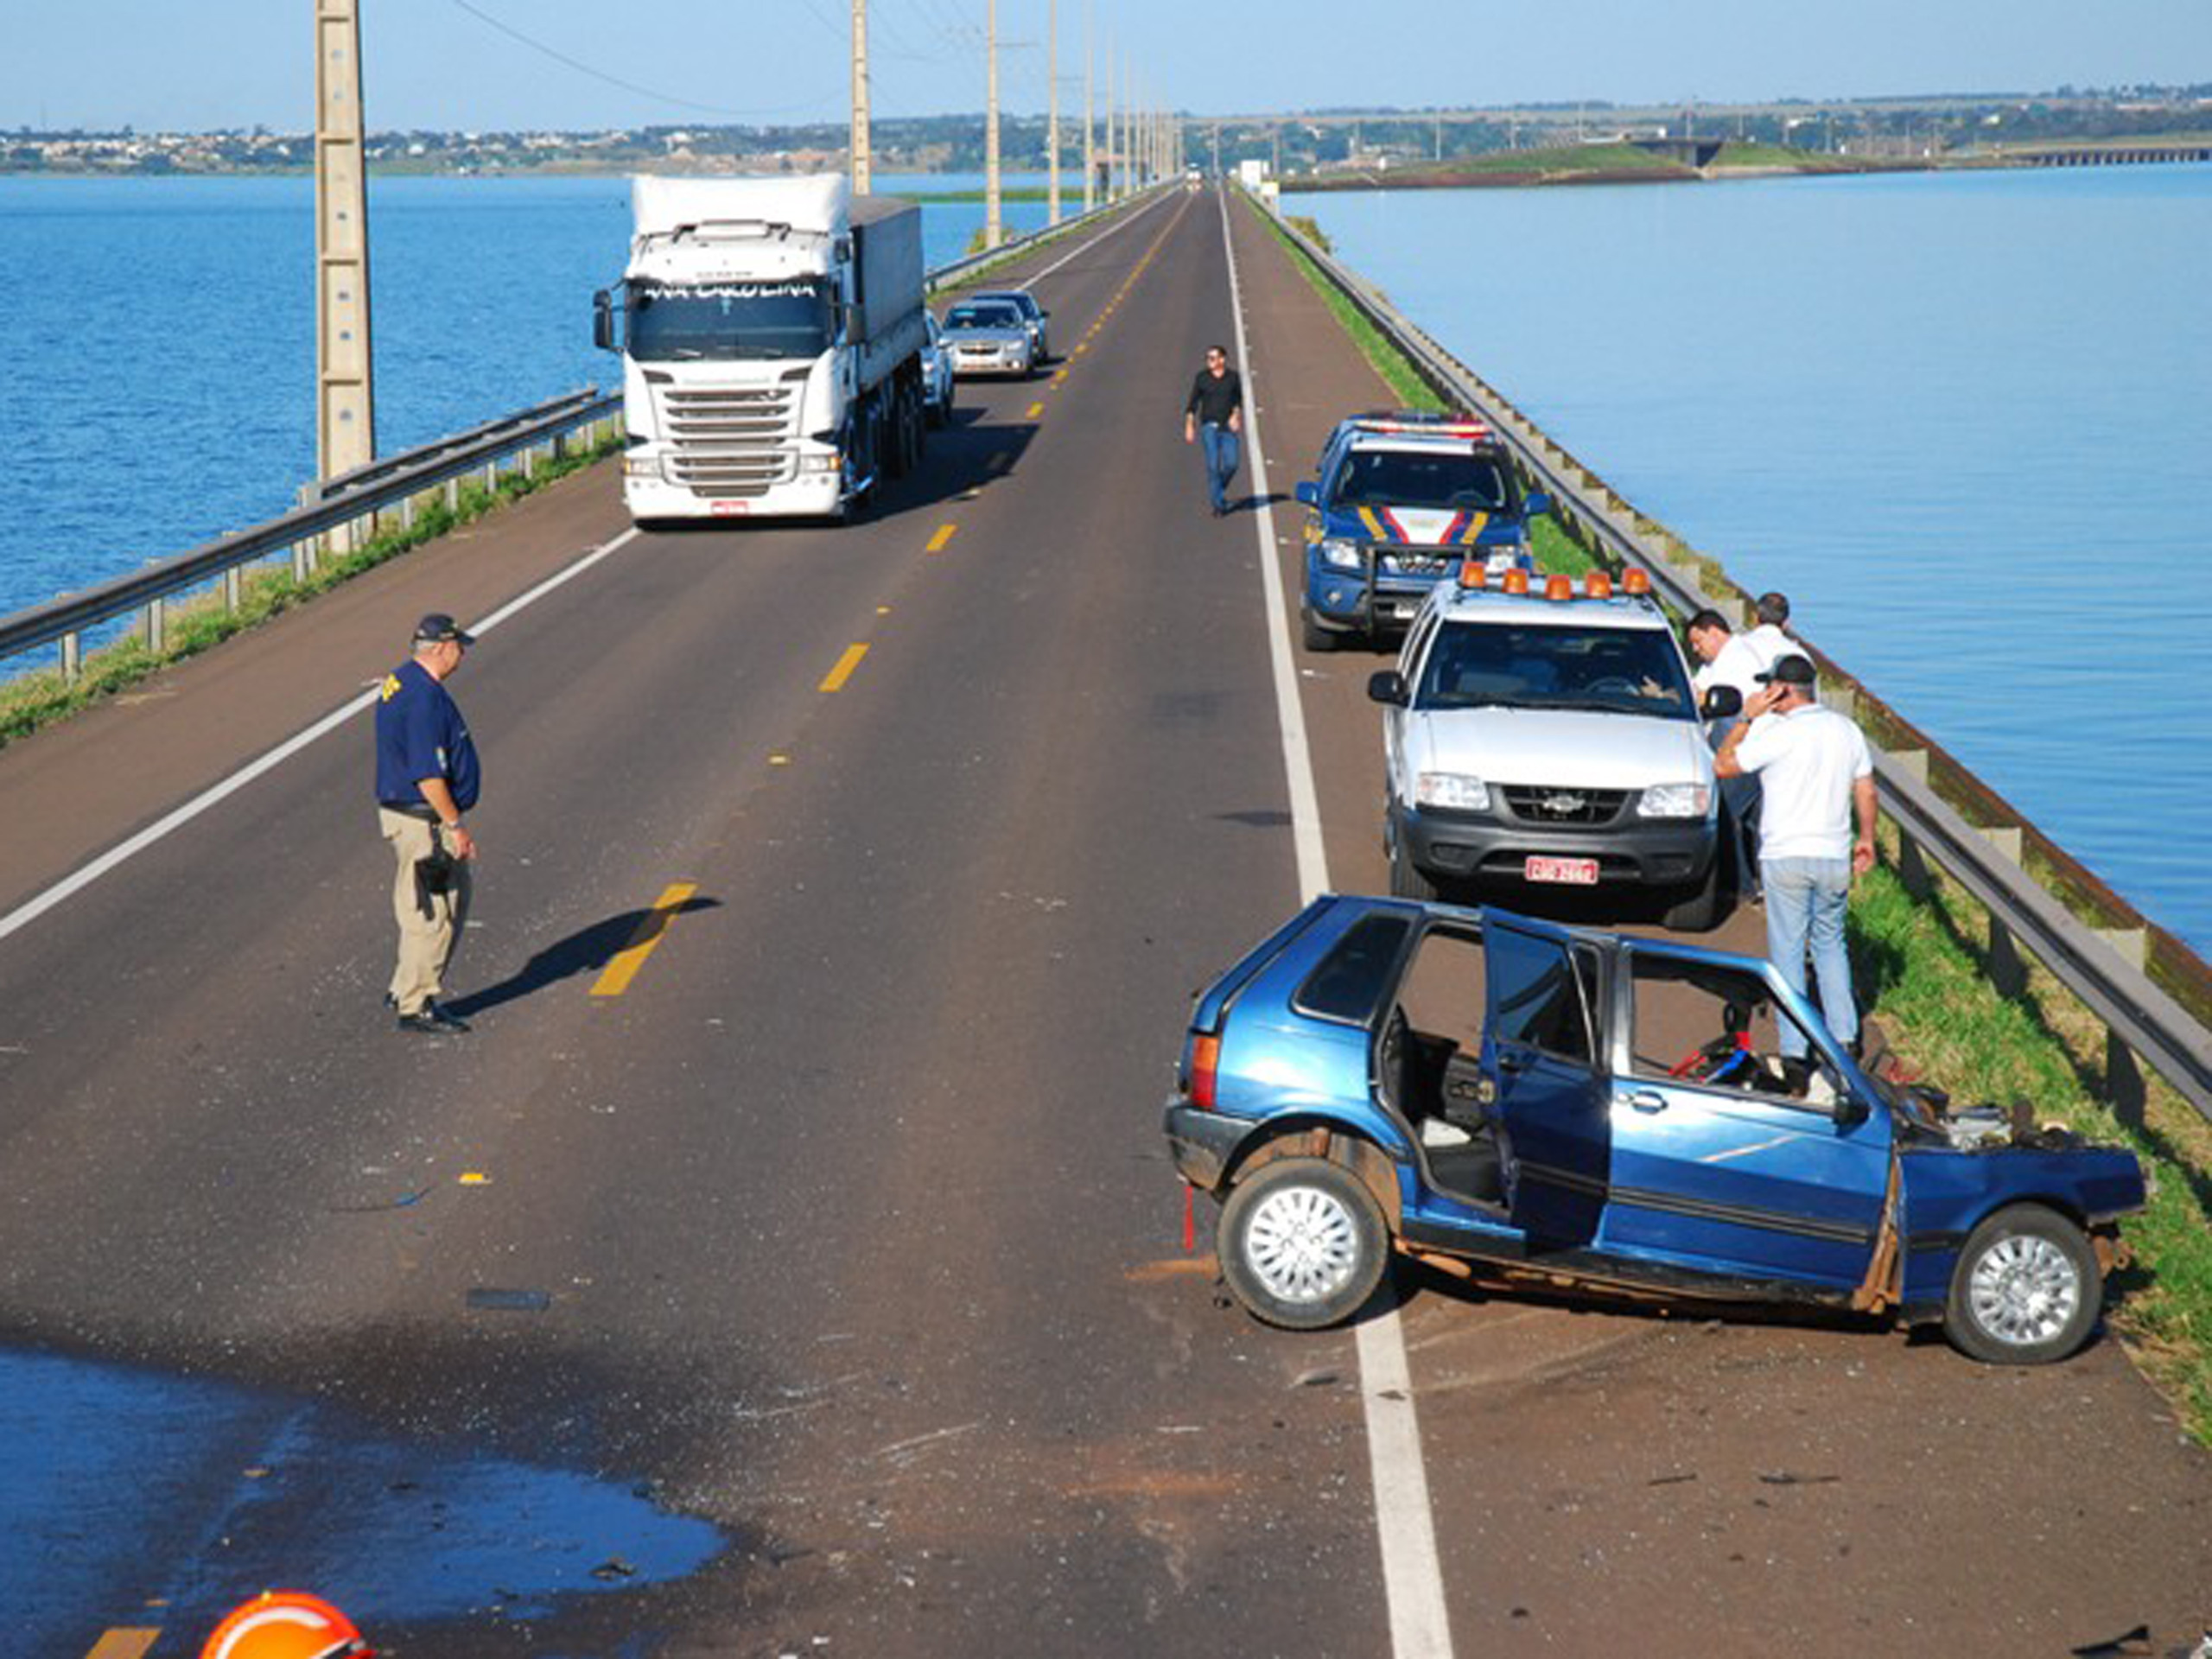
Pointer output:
x,y
823,1291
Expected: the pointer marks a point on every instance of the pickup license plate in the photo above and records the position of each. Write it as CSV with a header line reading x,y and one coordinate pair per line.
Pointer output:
x,y
1570,872
1405,609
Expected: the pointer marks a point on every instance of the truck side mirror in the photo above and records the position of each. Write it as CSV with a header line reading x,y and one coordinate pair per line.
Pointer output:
x,y
1537,502
1722,702
1387,686
1309,493
602,321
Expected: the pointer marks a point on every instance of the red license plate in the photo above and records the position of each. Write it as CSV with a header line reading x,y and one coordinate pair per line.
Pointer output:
x,y
1570,872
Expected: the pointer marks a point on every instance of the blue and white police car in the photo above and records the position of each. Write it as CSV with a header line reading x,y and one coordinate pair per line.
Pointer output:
x,y
1399,502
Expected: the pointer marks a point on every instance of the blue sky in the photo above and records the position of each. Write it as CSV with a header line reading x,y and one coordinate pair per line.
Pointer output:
x,y
457,64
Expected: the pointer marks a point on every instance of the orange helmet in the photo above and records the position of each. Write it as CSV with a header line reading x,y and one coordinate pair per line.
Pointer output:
x,y
287,1624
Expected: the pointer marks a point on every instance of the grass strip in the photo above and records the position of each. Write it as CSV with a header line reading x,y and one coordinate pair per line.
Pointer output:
x,y
32,701
1928,969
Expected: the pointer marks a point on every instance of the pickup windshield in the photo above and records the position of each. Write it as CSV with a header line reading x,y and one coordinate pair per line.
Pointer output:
x,y
1405,478
728,322
1607,671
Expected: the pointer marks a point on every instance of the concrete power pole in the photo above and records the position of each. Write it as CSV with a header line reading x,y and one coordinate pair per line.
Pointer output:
x,y
1090,123
863,146
1052,119
993,225
345,422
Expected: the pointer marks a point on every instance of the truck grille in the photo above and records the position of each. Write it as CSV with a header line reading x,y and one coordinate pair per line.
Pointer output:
x,y
1543,805
731,473
747,415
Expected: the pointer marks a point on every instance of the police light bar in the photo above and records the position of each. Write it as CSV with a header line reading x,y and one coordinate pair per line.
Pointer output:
x,y
1385,425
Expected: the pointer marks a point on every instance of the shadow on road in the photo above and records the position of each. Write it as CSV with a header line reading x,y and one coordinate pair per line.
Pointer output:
x,y
583,952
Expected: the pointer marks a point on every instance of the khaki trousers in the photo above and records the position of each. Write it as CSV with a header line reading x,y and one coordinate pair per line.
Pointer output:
x,y
429,922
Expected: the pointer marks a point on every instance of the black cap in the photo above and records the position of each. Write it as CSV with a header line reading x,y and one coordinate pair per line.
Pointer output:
x,y
437,627
1789,670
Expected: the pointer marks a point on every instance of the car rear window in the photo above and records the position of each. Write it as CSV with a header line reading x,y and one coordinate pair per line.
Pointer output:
x,y
1352,979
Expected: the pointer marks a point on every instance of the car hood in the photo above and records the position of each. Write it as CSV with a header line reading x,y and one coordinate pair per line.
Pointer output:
x,y
1421,526
1014,336
1563,746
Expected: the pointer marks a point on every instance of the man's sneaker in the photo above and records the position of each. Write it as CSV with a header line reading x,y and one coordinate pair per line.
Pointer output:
x,y
431,1021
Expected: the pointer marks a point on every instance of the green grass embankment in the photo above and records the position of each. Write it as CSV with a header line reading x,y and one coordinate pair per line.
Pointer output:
x,y
31,701
1924,972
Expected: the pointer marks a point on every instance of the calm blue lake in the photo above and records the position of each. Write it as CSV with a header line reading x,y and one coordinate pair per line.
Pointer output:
x,y
1960,419
159,336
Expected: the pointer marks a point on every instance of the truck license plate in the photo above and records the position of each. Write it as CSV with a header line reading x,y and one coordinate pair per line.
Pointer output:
x,y
730,509
1572,872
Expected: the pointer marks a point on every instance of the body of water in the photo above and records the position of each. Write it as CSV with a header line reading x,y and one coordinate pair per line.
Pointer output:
x,y
1959,418
159,336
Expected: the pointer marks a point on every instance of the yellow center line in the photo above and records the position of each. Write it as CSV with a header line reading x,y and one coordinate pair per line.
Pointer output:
x,y
123,1641
945,533
1082,347
835,680
1035,410
617,973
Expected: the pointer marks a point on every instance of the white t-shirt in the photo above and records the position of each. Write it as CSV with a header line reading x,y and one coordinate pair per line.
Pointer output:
x,y
1806,761
1738,664
1768,642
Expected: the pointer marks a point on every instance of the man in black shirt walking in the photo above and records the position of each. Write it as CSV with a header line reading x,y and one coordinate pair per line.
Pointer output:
x,y
1212,420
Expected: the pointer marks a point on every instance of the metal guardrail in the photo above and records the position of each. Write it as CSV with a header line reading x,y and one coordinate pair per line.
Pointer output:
x,y
334,516
337,507
2142,1018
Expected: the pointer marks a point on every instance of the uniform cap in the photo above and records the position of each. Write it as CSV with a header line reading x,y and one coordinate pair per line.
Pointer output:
x,y
287,1624
437,627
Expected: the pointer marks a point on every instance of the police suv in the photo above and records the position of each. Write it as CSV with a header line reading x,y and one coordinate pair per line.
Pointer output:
x,y
1399,501
1548,738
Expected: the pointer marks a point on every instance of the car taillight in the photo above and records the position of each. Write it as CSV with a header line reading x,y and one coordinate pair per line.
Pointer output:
x,y
1205,1061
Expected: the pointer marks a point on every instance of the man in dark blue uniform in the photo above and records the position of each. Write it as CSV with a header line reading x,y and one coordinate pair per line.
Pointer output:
x,y
427,777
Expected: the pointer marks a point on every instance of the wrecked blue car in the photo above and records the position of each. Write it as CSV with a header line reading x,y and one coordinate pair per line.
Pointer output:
x,y
1521,1102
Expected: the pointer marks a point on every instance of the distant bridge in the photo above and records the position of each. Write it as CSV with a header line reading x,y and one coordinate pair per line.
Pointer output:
x,y
2116,155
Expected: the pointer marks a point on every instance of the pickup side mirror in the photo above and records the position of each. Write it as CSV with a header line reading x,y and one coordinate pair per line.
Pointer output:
x,y
1722,702
1536,502
1309,493
1387,686
602,321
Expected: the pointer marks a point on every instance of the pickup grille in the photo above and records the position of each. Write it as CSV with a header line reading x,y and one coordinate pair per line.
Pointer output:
x,y
1533,804
1416,564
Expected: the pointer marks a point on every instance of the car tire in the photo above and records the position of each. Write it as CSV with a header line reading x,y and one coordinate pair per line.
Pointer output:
x,y
1406,879
1302,1243
2027,1290
1314,636
1699,907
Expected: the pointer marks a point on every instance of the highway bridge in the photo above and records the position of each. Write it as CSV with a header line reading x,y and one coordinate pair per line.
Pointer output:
x,y
788,1262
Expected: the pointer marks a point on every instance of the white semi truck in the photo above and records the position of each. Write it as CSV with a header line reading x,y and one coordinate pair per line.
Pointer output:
x,y
772,331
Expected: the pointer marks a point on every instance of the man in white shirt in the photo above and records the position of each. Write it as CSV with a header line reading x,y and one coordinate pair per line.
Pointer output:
x,y
1729,659
1771,639
1815,775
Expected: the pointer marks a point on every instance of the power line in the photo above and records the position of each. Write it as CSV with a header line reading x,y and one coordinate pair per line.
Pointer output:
x,y
583,68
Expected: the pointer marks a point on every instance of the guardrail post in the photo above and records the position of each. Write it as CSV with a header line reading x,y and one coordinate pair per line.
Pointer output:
x,y
492,476
303,558
233,588
1912,866
2007,972
407,514
2123,1090
157,616
72,658
453,495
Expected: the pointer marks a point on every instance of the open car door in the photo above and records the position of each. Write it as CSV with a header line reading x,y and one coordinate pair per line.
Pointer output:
x,y
1552,1106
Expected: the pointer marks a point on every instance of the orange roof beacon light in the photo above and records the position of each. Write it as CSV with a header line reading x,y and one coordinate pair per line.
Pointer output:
x,y
1635,581
1598,585
1559,585
1515,582
1472,573
287,1624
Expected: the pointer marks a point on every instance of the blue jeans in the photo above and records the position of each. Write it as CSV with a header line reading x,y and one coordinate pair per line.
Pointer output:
x,y
1805,899
1220,448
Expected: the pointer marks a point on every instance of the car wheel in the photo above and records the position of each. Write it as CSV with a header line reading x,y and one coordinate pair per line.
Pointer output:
x,y
1314,635
1699,907
2027,1289
1302,1243
1406,879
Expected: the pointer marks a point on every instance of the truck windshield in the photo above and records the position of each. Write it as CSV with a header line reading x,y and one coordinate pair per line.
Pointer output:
x,y
1405,478
1609,671
728,322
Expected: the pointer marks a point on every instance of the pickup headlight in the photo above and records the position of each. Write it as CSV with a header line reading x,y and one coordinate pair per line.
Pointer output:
x,y
1454,789
1339,553
1675,801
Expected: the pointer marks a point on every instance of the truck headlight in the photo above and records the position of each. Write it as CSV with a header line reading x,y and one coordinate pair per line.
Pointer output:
x,y
1339,553
641,467
1675,801
821,461
1455,790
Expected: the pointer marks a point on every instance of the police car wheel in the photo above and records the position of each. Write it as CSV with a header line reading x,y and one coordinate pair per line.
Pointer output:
x,y
1314,635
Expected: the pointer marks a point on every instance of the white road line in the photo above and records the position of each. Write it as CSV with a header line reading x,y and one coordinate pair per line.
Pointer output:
x,y
31,909
1126,219
1412,1576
